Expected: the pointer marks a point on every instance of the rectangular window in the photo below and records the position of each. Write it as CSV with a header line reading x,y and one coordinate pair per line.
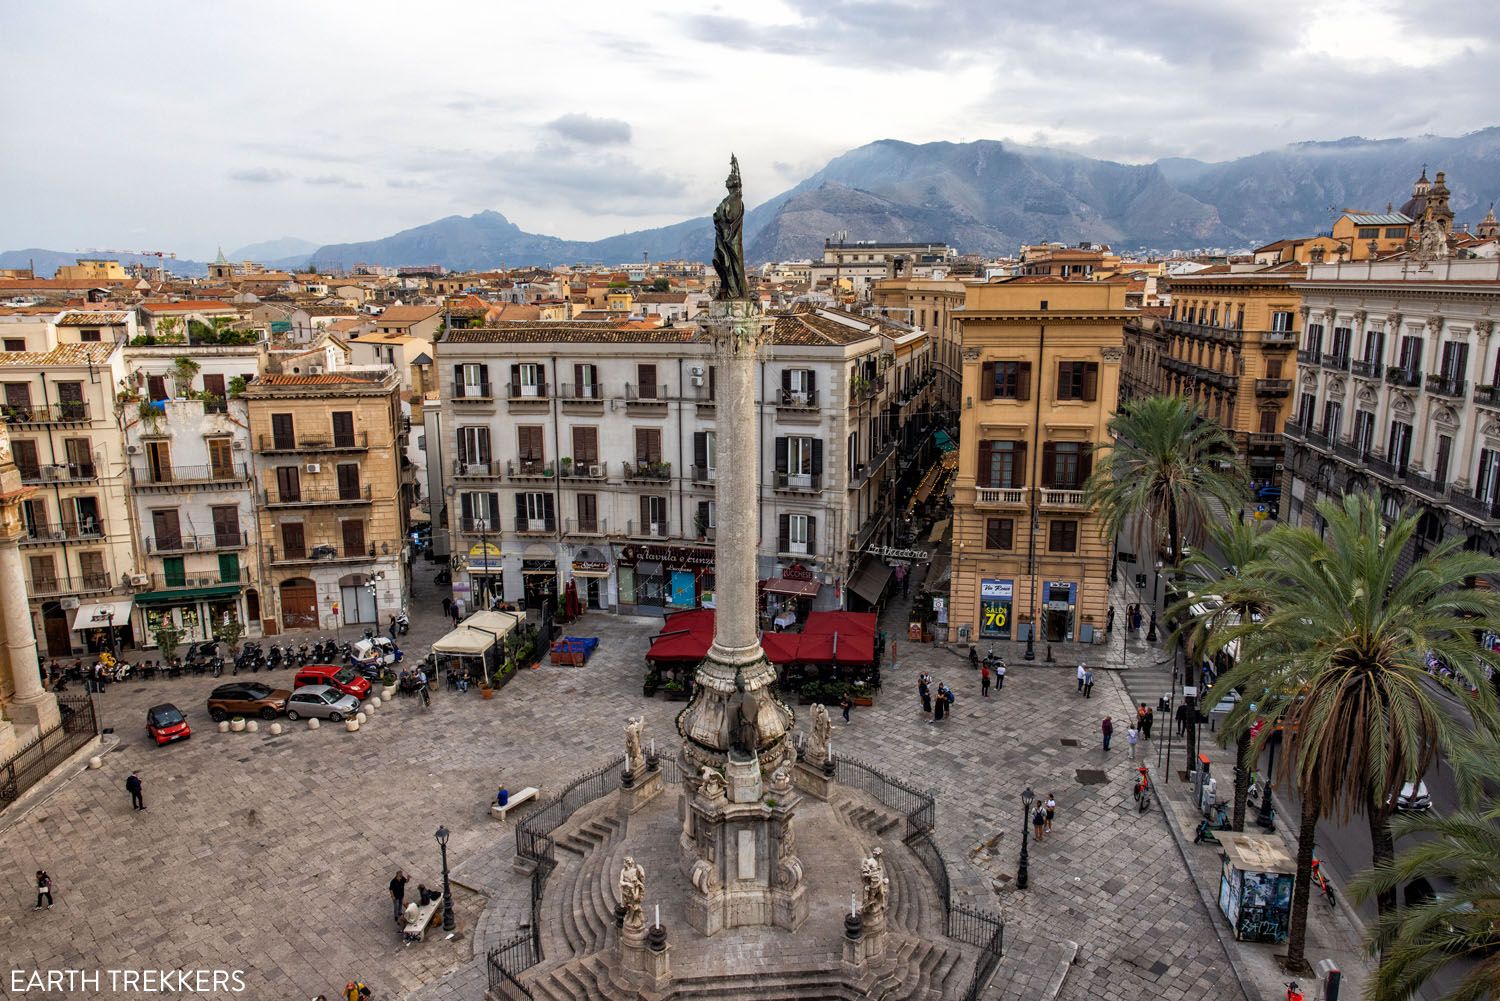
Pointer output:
x,y
1487,483
34,516
1065,465
1305,407
586,382
80,458
1062,536
1333,412
1455,361
1268,421
526,379
283,431
1281,320
1411,355
1005,380
796,530
293,541
1364,432
1078,380
156,387
1399,452
654,516
1313,339
479,512
529,443
15,344
646,377
472,381
43,573
353,531
999,533
1343,339
1395,232
1002,464
1369,232
166,529
229,568
288,483
1374,347
226,521
474,446
27,463
70,401
537,505
648,445
213,386
1273,368
348,477
588,512
1443,459
585,446
220,458
343,429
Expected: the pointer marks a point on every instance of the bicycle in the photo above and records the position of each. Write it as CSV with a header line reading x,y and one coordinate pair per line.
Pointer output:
x,y
1143,790
1293,991
1321,882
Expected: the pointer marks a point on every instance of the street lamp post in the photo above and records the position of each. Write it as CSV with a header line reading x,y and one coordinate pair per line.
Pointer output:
x,y
1023,871
1155,587
448,922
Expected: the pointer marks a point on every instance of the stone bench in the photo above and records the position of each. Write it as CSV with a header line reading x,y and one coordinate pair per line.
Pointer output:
x,y
516,799
415,930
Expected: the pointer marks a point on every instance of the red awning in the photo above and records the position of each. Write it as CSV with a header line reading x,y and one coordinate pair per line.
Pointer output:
x,y
780,648
838,638
795,588
686,637
843,622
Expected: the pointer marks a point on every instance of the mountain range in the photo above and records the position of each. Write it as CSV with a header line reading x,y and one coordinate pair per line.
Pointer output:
x,y
985,197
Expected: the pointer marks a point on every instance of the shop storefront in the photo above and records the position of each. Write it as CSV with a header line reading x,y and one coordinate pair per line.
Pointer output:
x,y
788,599
539,578
486,581
94,622
656,579
590,570
192,612
996,598
1059,611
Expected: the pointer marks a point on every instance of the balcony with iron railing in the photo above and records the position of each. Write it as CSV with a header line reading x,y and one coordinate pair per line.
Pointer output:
x,y
583,469
1396,375
317,497
642,471
352,441
479,526
153,477
1317,439
66,472
1000,496
1366,369
643,398
805,483
163,545
519,396
67,530
488,470
47,586
1443,385
535,526
473,393
1273,387
1293,429
796,402
1486,511
48,413
1488,396
707,405
592,528
1350,452
1278,338
529,470
1309,357
704,474
1205,331
183,581
1336,360
648,529
322,553
1384,467
1263,440
587,393
1426,485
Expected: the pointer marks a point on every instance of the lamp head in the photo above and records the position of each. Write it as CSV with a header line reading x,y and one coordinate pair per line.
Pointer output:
x,y
442,836
1027,797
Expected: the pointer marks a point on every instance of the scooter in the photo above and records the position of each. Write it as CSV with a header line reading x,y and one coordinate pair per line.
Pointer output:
x,y
993,660
403,623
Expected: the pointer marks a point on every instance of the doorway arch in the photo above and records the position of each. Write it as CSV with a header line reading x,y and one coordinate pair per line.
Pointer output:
x,y
299,604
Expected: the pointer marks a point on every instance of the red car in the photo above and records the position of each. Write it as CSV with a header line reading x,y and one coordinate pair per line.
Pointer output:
x,y
342,679
165,723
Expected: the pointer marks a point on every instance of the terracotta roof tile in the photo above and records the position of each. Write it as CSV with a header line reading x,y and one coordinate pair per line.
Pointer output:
x,y
64,354
408,314
186,306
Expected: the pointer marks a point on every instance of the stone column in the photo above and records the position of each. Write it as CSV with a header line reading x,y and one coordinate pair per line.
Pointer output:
x,y
32,708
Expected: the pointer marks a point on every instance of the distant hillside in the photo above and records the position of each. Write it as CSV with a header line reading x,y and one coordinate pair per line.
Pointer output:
x,y
47,262
275,252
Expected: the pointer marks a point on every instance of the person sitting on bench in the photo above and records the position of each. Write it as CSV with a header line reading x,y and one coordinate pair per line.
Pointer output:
x,y
502,798
426,896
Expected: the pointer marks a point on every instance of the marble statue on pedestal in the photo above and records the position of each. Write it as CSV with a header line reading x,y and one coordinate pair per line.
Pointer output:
x,y
633,893
817,741
877,885
729,250
635,760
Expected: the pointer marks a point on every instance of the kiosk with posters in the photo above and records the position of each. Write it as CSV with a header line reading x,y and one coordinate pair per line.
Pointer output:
x,y
1255,886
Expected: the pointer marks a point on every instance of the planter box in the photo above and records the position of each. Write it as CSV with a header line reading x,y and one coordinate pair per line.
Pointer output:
x,y
487,693
680,696
504,679
649,691
862,700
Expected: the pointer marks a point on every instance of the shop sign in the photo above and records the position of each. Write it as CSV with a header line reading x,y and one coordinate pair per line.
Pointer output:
x,y
797,572
591,567
680,556
995,598
891,553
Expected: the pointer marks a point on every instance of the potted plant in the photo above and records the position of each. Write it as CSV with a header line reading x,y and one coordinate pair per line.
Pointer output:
x,y
859,385
150,413
237,386
652,683
237,724
700,527
184,370
859,696
675,690
567,465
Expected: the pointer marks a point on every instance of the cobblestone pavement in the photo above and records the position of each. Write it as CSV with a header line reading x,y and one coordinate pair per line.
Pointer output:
x,y
271,854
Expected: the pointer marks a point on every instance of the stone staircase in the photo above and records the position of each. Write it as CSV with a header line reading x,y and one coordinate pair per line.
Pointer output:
x,y
578,897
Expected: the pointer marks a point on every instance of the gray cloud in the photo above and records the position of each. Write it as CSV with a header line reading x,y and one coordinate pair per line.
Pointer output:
x,y
258,175
332,181
552,175
592,131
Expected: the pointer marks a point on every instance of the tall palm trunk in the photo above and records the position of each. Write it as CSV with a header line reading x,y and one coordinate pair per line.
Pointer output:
x,y
1241,779
1296,943
1382,850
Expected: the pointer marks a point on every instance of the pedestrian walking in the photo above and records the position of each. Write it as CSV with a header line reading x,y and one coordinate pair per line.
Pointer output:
x,y
1109,622
999,677
1140,720
43,889
845,703
133,786
1038,823
1088,684
447,607
1107,728
391,629
398,892
1080,678
924,692
1182,718
940,705
1146,719
984,681
1131,736
1051,806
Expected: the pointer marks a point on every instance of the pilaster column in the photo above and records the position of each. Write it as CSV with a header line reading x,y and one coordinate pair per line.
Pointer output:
x,y
32,708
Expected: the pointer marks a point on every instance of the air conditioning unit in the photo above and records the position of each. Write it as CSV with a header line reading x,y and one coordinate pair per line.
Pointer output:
x,y
55,473
59,535
132,450
596,471
697,379
698,371
238,445
315,370
68,604
139,580
313,467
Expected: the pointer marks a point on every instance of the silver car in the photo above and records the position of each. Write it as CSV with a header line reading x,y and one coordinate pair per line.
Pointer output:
x,y
321,700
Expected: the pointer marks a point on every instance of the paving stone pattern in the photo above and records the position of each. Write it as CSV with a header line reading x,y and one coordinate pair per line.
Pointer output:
x,y
271,854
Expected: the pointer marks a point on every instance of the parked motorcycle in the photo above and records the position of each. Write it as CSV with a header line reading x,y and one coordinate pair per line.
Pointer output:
x,y
403,623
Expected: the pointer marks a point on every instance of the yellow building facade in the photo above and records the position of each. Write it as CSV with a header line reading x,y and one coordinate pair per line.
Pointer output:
x,y
1041,374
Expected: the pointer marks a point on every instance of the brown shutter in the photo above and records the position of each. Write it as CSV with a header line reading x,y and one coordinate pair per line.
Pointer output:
x,y
645,515
786,380
1049,462
1091,381
1085,464
781,455
577,382
1023,380
292,539
700,449
784,533
515,380
588,512
585,446
348,473
812,534
987,381
354,537
1019,479
647,375
1062,381
983,477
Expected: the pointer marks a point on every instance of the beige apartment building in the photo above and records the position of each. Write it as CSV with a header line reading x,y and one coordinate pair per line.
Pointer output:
x,y
1041,377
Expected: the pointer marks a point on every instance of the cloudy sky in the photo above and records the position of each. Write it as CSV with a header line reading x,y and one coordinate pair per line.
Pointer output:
x,y
183,126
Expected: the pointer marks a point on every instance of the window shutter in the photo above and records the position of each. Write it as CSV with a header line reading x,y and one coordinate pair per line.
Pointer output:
x,y
515,380
781,460
1085,464
548,510
786,380
784,534
987,381
817,456
1091,381
702,524
578,379
700,449
984,479
458,379
645,514
520,511
1062,382
1049,460
647,374
466,506
1023,381
812,379
713,373
812,534
1019,473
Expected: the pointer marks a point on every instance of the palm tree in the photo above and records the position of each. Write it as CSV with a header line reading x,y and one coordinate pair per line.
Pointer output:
x,y
1461,848
1223,598
1169,465
1341,658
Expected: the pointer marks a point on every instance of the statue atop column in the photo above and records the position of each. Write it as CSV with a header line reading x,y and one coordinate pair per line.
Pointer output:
x,y
817,742
744,738
729,249
877,885
633,893
635,761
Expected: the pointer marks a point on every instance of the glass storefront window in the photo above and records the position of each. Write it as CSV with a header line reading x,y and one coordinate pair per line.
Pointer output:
x,y
627,585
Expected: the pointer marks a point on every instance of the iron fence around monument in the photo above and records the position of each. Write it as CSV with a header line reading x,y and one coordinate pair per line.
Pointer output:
x,y
31,763
505,962
915,805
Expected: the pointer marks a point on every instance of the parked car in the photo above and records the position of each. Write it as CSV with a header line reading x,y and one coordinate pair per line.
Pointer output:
x,y
1413,798
246,698
166,723
321,701
346,679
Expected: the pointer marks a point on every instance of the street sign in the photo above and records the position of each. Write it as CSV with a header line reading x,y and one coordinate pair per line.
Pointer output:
x,y
1125,557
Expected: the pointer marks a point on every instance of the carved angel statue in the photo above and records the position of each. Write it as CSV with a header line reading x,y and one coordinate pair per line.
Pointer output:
x,y
635,761
817,744
877,885
711,784
633,892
